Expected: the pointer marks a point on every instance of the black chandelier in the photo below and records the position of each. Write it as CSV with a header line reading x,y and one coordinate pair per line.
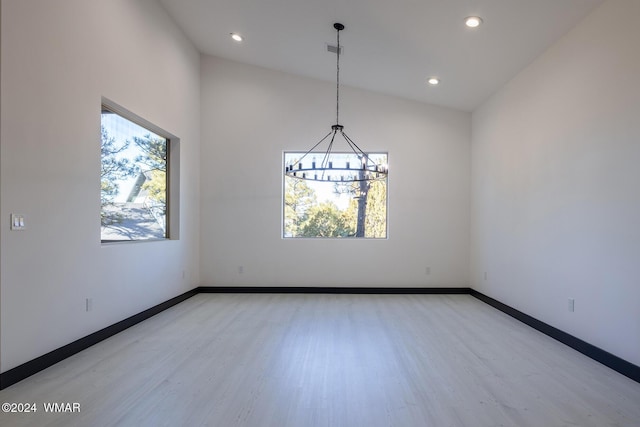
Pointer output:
x,y
319,164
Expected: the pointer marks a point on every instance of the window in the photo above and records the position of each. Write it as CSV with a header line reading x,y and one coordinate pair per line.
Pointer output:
x,y
134,178
335,209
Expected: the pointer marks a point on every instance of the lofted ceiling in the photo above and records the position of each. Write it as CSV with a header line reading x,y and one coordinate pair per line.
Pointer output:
x,y
390,47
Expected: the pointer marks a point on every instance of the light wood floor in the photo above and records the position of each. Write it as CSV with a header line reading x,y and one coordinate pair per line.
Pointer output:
x,y
330,360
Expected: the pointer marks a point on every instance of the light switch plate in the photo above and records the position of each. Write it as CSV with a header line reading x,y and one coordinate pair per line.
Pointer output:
x,y
18,222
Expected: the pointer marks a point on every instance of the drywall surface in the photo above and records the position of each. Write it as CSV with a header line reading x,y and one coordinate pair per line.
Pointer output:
x,y
251,115
555,200
58,60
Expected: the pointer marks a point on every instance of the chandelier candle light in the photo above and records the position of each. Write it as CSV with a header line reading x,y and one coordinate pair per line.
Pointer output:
x,y
336,166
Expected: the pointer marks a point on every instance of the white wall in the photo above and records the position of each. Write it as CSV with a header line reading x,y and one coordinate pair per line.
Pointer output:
x,y
251,115
555,173
58,59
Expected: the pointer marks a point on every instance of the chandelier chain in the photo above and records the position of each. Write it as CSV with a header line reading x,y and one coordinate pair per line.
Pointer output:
x,y
338,81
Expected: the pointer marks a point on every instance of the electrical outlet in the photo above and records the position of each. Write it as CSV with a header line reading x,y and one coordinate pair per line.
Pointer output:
x,y
427,271
240,269
571,306
485,275
89,304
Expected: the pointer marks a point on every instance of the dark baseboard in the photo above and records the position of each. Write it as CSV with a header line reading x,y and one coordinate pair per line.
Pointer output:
x,y
27,369
326,290
38,364
614,362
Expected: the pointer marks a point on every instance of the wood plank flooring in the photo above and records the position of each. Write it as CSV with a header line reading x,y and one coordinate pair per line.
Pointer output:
x,y
329,360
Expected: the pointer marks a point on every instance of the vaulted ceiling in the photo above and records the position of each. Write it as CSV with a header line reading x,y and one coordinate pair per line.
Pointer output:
x,y
390,47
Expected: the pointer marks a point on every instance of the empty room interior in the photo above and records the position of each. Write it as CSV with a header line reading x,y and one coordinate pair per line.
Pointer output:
x,y
175,249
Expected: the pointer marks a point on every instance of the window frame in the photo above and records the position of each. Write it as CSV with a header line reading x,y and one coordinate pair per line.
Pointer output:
x,y
172,174
283,201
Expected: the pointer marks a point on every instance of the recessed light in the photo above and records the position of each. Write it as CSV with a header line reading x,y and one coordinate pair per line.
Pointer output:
x,y
237,37
433,81
472,21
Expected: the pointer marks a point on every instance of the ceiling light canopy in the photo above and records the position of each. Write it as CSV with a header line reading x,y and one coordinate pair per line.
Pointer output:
x,y
237,37
328,164
472,21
